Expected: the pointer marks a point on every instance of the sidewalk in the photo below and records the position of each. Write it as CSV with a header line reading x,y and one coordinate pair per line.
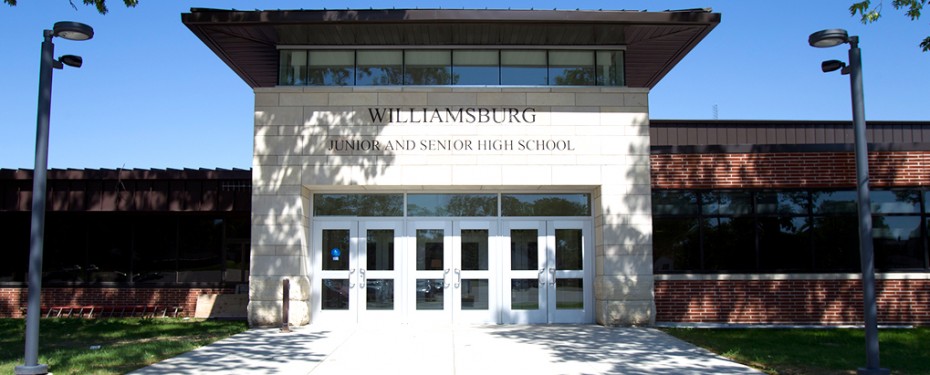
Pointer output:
x,y
483,350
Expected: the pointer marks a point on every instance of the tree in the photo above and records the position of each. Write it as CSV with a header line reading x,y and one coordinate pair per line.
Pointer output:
x,y
871,14
101,5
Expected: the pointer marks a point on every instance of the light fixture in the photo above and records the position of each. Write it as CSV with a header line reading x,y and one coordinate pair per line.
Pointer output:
x,y
831,65
828,38
71,60
72,30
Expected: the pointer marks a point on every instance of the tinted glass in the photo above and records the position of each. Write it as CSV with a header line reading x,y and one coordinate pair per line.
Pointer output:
x,y
293,67
676,244
331,68
784,203
430,245
568,246
729,244
674,202
525,68
429,294
476,67
65,249
727,203
155,258
894,201
335,251
379,294
380,251
335,294
524,294
609,68
897,242
199,250
546,204
109,248
836,243
474,249
569,294
524,249
834,202
428,67
379,68
451,204
784,243
475,294
575,68
16,232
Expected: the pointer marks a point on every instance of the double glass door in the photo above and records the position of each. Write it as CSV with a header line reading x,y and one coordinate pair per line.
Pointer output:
x,y
452,271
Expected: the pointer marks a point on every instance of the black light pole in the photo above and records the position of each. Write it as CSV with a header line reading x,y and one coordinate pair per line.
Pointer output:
x,y
832,38
72,31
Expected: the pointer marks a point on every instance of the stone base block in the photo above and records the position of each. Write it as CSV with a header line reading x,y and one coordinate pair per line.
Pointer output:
x,y
269,313
625,313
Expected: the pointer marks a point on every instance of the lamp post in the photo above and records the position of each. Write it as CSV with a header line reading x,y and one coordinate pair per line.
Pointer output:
x,y
832,38
71,31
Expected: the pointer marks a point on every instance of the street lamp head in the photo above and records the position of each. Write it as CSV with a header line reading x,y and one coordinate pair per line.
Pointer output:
x,y
831,65
73,61
73,30
828,38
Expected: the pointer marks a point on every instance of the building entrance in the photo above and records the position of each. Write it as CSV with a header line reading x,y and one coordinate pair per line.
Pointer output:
x,y
462,271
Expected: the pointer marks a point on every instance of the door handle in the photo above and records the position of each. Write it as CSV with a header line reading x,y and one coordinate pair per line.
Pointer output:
x,y
541,279
458,277
361,274
444,283
351,271
551,276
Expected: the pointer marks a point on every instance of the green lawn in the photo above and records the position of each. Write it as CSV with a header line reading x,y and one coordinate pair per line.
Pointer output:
x,y
125,344
814,351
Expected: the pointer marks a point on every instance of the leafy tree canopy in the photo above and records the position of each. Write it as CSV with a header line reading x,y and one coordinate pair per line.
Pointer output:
x,y
870,14
101,5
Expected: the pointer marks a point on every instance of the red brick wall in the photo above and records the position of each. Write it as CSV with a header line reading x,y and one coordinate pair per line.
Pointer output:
x,y
787,170
789,301
11,299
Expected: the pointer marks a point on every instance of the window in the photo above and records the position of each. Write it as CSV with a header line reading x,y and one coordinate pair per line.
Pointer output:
x,y
432,67
545,205
452,204
785,231
358,205
476,205
379,68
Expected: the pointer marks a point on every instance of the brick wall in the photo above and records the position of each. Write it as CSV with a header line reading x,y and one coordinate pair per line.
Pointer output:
x,y
787,170
789,301
11,299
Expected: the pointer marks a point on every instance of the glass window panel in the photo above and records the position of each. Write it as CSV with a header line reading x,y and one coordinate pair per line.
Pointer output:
x,y
836,243
292,70
379,294
331,68
335,294
834,202
237,262
676,244
568,249
729,244
610,68
380,251
575,68
358,205
524,294
155,255
897,242
894,201
569,294
674,202
429,294
16,226
109,245
546,204
475,67
784,244
430,249
65,249
428,67
474,249
335,250
452,204
727,203
475,294
524,250
200,250
526,68
782,202
379,68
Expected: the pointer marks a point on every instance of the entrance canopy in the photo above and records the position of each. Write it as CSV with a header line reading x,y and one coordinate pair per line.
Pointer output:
x,y
248,40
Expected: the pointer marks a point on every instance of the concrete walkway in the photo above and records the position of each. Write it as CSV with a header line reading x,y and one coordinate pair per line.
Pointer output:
x,y
483,350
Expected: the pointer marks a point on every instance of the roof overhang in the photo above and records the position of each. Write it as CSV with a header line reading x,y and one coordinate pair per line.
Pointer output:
x,y
248,41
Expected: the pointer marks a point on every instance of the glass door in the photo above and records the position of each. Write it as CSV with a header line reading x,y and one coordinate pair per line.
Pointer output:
x,y
335,263
548,268
429,269
379,269
474,265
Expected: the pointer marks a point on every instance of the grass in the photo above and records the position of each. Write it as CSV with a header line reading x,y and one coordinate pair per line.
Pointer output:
x,y
65,345
814,351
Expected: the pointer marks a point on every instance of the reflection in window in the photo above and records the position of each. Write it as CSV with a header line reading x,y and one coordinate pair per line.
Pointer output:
x,y
428,67
199,249
452,204
430,245
782,202
729,244
546,204
674,202
897,242
475,294
894,201
380,250
332,68
379,68
676,244
784,243
836,243
335,249
609,68
474,249
293,67
358,205
525,68
834,202
571,68
726,203
524,249
476,67
568,246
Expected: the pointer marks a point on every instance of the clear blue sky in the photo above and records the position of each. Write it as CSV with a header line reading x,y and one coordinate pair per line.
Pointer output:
x,y
151,95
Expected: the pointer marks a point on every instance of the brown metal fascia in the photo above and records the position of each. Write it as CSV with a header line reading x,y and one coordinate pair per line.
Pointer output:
x,y
693,42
